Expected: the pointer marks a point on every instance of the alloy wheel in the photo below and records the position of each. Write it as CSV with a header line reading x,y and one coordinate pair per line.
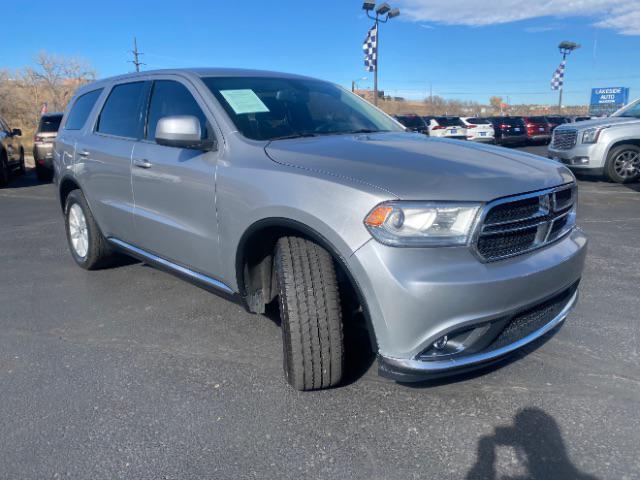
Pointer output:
x,y
78,231
627,164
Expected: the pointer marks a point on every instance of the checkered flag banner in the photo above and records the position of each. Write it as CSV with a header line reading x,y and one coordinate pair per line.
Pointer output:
x,y
370,48
558,77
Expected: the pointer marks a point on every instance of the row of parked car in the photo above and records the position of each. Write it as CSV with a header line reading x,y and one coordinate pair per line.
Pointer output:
x,y
12,157
502,130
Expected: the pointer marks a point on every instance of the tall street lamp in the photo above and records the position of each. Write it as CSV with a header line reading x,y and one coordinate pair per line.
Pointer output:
x,y
354,83
565,49
383,13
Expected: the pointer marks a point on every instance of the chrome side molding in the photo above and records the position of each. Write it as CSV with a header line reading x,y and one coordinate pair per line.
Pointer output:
x,y
144,255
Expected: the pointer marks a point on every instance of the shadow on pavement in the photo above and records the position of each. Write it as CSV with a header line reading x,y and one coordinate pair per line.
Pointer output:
x,y
539,447
27,180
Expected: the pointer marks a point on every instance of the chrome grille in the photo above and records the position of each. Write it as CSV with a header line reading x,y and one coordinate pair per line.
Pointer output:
x,y
516,225
564,139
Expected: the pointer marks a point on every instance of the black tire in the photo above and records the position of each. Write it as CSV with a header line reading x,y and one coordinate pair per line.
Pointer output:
x,y
43,174
5,174
311,314
99,253
23,167
615,161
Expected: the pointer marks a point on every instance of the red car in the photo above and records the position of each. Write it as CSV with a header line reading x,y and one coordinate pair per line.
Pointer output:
x,y
538,129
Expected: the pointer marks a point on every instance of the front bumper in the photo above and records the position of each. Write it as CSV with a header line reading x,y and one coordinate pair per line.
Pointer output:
x,y
415,296
593,154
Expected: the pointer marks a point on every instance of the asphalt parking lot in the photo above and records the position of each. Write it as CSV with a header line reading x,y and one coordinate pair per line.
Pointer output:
x,y
132,373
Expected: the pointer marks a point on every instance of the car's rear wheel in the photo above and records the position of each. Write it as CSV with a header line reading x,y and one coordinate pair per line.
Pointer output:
x,y
311,314
23,167
623,164
88,246
43,174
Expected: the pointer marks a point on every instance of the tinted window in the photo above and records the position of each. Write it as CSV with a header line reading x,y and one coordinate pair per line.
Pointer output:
x,y
121,114
449,121
172,98
411,121
537,119
265,108
81,109
49,123
478,121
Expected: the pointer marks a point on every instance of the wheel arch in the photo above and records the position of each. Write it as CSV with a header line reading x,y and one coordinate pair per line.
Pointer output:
x,y
619,143
254,265
66,186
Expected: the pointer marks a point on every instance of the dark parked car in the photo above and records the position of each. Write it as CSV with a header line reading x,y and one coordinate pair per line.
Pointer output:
x,y
538,129
414,123
43,144
509,130
556,120
11,152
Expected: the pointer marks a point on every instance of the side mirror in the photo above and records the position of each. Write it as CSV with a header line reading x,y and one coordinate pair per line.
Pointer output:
x,y
182,131
16,132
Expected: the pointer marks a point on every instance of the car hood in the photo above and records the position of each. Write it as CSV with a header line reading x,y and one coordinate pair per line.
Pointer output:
x,y
416,167
598,122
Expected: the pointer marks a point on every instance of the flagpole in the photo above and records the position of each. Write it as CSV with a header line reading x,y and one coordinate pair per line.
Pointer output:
x,y
564,58
383,13
375,71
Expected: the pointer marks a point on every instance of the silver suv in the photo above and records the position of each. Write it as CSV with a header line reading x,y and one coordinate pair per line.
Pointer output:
x,y
605,146
281,188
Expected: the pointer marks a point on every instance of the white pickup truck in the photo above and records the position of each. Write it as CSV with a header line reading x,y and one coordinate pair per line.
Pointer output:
x,y
605,146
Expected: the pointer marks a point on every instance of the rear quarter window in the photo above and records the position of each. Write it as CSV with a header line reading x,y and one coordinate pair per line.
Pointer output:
x,y
81,109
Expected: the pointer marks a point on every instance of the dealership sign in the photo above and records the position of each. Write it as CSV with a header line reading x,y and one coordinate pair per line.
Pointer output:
x,y
605,101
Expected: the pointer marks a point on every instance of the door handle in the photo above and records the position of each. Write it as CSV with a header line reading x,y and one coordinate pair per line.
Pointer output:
x,y
142,163
83,153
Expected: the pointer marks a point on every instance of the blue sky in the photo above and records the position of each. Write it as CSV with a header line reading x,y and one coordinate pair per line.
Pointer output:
x,y
466,49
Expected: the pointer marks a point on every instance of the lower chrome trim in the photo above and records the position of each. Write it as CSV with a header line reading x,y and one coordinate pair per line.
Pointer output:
x,y
417,368
138,252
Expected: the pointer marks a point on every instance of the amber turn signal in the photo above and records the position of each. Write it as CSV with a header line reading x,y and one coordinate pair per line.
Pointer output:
x,y
378,216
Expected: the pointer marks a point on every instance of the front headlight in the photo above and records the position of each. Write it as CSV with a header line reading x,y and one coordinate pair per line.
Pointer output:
x,y
591,135
422,224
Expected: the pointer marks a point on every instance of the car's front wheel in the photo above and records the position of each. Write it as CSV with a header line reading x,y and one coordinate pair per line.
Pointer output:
x,y
311,314
88,246
623,164
4,171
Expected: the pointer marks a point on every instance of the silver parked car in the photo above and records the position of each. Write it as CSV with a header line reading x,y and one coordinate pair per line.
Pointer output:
x,y
603,146
43,144
282,188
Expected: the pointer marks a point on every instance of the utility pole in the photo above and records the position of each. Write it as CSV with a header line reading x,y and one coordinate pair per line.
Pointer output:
x,y
383,12
136,55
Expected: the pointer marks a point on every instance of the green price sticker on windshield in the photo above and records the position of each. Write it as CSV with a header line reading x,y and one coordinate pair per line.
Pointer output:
x,y
244,101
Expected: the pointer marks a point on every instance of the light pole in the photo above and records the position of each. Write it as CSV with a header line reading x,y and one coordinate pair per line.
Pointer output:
x,y
383,13
565,49
354,83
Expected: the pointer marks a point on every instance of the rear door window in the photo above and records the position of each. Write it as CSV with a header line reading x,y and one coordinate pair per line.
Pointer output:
x,y
172,98
81,109
121,115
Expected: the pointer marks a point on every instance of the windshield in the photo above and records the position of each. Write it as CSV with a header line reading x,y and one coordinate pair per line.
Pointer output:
x,y
269,108
631,110
50,124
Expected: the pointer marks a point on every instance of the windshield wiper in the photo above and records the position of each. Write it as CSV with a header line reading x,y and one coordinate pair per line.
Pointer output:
x,y
365,130
294,135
